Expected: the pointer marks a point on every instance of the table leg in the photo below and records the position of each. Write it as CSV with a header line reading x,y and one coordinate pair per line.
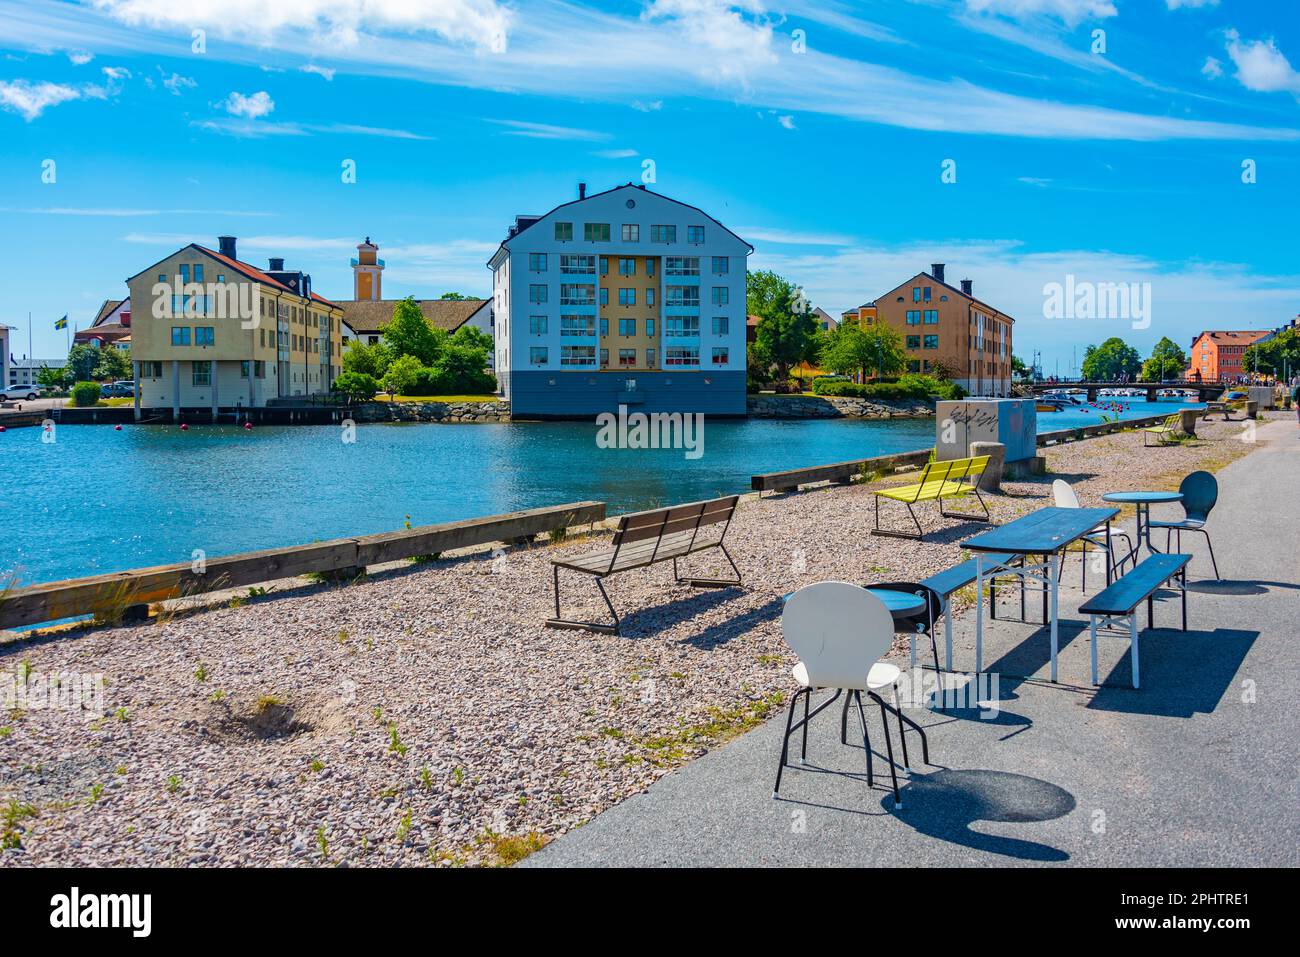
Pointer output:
x,y
1110,557
947,634
979,612
1051,571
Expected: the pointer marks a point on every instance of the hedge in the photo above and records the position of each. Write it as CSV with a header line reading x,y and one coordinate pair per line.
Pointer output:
x,y
917,388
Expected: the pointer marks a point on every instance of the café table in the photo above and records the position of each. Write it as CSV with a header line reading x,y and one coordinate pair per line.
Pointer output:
x,y
1142,501
1045,535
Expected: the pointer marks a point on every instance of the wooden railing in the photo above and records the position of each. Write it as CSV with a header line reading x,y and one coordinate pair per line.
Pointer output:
x,y
108,596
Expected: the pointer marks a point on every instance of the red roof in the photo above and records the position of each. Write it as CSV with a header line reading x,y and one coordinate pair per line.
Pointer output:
x,y
252,272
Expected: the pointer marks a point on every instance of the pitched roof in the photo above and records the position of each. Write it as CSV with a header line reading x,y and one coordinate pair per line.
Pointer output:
x,y
109,331
1234,337
369,316
107,309
953,289
243,268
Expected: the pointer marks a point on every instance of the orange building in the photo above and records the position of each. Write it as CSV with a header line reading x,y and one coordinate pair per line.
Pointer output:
x,y
1216,355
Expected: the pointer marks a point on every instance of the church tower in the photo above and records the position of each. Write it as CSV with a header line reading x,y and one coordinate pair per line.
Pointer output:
x,y
366,272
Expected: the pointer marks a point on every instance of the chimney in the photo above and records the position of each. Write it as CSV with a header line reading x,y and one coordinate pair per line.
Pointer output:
x,y
936,270
966,285
582,191
277,265
226,246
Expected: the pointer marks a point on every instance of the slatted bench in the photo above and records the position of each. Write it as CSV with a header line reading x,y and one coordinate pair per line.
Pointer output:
x,y
1120,600
938,481
1171,426
647,538
951,580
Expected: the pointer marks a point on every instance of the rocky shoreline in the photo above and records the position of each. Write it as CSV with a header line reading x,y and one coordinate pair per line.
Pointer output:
x,y
833,407
433,412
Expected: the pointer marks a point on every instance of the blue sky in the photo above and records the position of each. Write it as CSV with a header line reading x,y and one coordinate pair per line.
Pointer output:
x,y
823,148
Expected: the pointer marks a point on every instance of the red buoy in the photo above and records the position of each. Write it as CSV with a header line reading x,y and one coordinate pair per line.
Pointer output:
x,y
117,428
248,426
2,428
184,427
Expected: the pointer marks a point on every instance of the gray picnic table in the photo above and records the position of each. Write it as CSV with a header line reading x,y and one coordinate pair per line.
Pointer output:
x,y
1044,534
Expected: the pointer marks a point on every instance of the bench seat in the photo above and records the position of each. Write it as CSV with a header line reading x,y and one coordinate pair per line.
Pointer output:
x,y
959,576
637,555
952,478
1121,598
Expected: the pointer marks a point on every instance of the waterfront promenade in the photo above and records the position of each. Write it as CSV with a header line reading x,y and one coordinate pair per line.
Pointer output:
x,y
426,716
1198,768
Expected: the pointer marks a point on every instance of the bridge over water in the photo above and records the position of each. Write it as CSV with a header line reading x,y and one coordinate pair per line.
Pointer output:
x,y
1204,390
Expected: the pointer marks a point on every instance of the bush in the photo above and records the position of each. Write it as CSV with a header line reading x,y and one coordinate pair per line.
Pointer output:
x,y
917,388
85,394
359,385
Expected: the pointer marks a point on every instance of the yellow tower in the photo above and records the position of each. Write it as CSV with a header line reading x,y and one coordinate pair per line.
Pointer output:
x,y
367,271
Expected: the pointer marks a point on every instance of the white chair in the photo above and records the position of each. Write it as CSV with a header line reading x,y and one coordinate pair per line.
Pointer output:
x,y
1064,497
840,632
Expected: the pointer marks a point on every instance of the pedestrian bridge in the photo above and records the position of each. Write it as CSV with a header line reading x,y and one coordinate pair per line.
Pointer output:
x,y
1204,390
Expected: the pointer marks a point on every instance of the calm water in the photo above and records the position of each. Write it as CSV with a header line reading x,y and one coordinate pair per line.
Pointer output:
x,y
97,500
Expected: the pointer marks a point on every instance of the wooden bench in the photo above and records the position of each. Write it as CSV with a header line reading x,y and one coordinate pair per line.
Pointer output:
x,y
938,481
1223,408
1173,425
1120,600
647,538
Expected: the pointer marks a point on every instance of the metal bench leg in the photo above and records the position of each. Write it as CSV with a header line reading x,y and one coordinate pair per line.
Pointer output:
x,y
1092,634
560,622
890,533
711,582
1183,579
1133,642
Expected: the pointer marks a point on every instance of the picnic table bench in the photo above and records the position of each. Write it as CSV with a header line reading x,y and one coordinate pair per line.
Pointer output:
x,y
1120,599
647,538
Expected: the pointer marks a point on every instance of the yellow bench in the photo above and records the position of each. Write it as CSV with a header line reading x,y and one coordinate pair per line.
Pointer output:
x,y
938,481
1171,426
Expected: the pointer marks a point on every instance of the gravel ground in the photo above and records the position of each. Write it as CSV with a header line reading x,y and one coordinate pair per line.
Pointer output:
x,y
425,716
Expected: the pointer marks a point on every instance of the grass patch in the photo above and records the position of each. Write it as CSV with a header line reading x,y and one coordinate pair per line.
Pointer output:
x,y
509,849
11,817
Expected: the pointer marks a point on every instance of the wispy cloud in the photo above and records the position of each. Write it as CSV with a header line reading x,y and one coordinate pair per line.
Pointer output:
x,y
546,131
175,83
326,71
251,106
790,237
1071,12
29,100
615,154
125,211
259,129
1261,66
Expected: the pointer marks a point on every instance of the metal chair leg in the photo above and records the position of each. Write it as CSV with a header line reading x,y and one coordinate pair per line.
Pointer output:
x,y
803,749
785,742
1211,547
898,711
889,746
866,738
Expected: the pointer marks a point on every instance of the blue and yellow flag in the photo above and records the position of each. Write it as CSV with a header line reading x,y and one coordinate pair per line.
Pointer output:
x,y
61,323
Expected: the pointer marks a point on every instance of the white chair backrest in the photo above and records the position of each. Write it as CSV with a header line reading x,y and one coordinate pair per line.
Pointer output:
x,y
839,631
1064,495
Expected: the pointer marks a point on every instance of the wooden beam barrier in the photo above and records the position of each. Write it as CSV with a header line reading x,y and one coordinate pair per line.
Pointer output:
x,y
837,472
111,594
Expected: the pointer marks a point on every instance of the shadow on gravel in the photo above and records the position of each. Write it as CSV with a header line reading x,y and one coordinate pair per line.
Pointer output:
x,y
1183,672
649,620
945,804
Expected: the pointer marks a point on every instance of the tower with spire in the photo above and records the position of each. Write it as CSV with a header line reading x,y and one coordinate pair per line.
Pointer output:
x,y
367,272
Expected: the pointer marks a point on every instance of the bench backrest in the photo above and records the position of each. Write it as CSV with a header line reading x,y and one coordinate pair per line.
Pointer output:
x,y
660,523
952,470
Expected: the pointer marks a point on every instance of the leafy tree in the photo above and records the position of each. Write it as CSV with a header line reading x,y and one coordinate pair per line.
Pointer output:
x,y
371,360
475,338
1018,368
853,349
1167,361
1110,360
787,332
408,333
456,296
55,380
1279,356
403,372
358,384
113,364
82,361
462,370
85,394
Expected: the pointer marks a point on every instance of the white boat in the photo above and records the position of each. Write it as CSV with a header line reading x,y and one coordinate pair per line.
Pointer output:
x,y
1061,395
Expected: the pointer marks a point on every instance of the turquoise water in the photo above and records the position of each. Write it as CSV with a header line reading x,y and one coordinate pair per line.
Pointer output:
x,y
98,500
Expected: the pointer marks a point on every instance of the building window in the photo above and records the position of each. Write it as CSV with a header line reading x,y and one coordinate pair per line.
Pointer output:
x,y
663,234
198,272
205,336
682,266
916,294
913,342
563,232
721,296
683,326
537,325
604,358
537,292
151,370
721,265
914,317
925,294
604,325
578,265
537,262
931,317
932,342
650,358
721,325
914,365
604,265
604,296
627,297
631,233
682,296
627,357
259,369
595,232
626,266
682,356
720,355
577,325
649,327
537,355
650,268
627,327
243,369
695,234
578,356
185,273
180,335
201,373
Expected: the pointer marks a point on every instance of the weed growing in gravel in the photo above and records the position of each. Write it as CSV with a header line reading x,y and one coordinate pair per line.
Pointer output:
x,y
268,701
6,732
426,778
173,784
121,715
217,696
95,791
457,775
322,842
237,601
425,559
404,827
201,673
317,765
11,816
558,535
256,592
24,671
510,849
120,769
769,659
378,712
395,745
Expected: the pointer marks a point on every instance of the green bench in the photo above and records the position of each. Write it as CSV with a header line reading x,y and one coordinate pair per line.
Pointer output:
x,y
938,482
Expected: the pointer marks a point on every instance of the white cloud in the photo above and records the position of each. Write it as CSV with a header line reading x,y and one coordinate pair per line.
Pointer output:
x,y
116,73
1212,68
80,57
789,237
1190,4
786,120
1070,11
1261,65
326,71
252,107
732,35
615,154
30,100
545,131
257,129
483,24
175,82
654,106
1034,180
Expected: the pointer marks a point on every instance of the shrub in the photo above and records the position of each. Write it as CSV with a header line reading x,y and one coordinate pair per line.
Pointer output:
x,y
912,387
85,393
359,385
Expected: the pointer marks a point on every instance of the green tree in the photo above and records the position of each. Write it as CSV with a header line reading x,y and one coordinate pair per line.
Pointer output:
x,y
456,296
1110,360
113,364
82,361
1279,356
853,349
55,380
474,338
1018,368
1167,361
408,333
371,360
360,385
403,372
786,333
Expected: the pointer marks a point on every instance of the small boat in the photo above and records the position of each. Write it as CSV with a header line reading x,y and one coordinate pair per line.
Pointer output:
x,y
1065,398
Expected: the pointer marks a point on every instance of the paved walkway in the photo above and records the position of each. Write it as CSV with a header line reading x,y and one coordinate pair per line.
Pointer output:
x,y
1199,767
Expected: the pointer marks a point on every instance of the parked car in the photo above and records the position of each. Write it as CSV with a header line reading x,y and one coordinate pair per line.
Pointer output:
x,y
28,392
121,389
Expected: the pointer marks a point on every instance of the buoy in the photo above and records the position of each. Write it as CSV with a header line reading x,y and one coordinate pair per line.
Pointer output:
x,y
184,427
117,428
2,428
248,426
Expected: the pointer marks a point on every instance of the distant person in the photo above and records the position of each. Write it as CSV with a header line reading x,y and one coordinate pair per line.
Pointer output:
x,y
1295,401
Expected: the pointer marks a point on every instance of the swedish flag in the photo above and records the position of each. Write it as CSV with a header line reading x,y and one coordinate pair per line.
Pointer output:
x,y
61,323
